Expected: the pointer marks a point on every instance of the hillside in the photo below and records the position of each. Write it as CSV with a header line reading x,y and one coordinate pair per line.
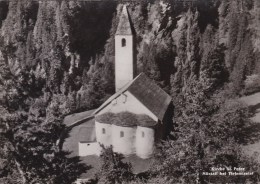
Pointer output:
x,y
66,45
57,59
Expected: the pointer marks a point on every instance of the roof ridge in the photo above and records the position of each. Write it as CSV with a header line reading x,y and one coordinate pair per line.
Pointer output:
x,y
123,89
146,96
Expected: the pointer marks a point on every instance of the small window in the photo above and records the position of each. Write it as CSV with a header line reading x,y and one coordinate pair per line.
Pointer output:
x,y
123,42
121,134
142,134
103,131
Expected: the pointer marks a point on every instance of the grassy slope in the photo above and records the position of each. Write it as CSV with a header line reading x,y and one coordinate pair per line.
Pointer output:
x,y
253,101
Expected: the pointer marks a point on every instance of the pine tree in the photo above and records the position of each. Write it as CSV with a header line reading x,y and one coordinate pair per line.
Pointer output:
x,y
207,136
113,169
29,133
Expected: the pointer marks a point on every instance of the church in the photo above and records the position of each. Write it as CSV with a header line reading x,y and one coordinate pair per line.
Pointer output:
x,y
132,120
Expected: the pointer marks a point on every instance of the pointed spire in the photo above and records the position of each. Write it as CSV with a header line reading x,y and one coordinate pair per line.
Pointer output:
x,y
124,26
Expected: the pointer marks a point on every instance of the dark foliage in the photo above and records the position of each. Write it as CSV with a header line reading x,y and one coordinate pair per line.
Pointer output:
x,y
113,169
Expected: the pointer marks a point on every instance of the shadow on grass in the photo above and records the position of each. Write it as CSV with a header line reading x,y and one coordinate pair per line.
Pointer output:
x,y
254,108
250,134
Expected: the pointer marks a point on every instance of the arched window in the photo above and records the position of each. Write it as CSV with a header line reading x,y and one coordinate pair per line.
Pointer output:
x,y
123,42
121,134
142,134
103,131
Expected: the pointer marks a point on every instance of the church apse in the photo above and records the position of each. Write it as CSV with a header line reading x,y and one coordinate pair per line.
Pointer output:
x,y
130,133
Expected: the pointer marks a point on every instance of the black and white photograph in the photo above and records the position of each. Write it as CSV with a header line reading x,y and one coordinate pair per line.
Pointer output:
x,y
129,91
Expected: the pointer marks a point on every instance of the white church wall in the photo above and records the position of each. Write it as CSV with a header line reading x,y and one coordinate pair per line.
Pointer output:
x,y
103,133
124,60
127,102
91,148
123,139
144,142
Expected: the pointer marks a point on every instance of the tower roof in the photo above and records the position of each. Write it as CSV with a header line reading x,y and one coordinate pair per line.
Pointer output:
x,y
124,26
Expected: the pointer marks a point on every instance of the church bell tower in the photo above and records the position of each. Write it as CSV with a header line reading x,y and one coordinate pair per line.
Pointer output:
x,y
125,65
